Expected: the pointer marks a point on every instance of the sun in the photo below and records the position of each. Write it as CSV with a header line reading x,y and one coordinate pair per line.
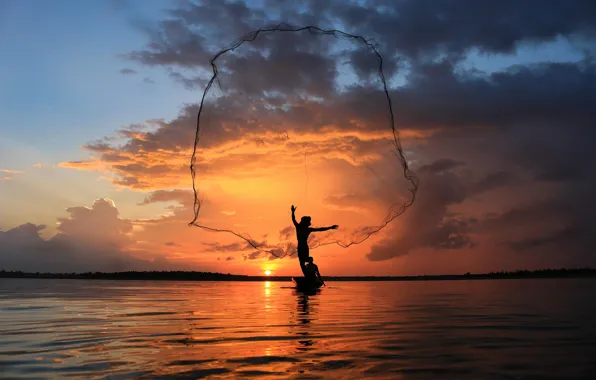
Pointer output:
x,y
267,272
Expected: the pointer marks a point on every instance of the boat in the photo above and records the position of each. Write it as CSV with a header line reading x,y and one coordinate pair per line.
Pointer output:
x,y
303,283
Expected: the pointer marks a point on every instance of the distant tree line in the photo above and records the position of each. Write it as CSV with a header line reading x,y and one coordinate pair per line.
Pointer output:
x,y
130,275
213,276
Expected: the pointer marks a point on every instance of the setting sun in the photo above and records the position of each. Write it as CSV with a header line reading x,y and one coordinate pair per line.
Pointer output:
x,y
267,273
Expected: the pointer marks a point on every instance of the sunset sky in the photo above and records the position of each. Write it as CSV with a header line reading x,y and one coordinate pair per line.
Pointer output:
x,y
495,102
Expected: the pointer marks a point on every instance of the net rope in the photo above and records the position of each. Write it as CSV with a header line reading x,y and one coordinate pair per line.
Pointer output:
x,y
395,210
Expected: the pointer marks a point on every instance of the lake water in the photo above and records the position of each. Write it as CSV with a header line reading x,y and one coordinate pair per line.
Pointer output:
x,y
492,329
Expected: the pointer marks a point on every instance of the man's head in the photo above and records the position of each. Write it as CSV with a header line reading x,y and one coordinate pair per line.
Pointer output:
x,y
305,221
310,260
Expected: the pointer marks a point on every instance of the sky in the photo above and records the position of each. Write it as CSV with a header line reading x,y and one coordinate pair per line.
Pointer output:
x,y
493,102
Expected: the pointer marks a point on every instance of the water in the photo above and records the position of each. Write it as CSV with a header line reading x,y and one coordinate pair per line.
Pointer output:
x,y
497,329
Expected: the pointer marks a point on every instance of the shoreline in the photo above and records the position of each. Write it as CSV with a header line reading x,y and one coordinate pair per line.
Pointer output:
x,y
221,277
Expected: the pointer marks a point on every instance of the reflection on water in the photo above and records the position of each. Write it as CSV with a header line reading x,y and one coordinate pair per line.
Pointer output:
x,y
303,322
508,329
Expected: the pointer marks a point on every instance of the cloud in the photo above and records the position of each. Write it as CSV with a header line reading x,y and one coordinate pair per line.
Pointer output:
x,y
99,224
90,239
440,165
191,33
127,71
454,27
428,223
258,255
234,247
253,255
494,180
547,92
504,157
561,236
8,171
183,197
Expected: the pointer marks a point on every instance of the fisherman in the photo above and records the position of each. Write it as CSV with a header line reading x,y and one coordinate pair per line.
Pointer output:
x,y
303,230
312,272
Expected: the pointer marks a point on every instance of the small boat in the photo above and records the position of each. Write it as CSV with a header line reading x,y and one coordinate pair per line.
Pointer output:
x,y
303,283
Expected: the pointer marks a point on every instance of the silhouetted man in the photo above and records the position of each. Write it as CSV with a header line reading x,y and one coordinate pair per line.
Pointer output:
x,y
312,272
303,230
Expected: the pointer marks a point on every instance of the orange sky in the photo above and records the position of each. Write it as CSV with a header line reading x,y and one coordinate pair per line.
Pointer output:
x,y
94,167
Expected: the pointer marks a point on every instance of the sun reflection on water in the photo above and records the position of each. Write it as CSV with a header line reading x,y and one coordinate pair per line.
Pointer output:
x,y
267,290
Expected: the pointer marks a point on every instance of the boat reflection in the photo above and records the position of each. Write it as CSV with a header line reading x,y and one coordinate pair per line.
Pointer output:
x,y
305,307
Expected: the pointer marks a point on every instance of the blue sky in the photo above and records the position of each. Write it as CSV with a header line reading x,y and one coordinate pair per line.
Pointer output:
x,y
61,87
60,77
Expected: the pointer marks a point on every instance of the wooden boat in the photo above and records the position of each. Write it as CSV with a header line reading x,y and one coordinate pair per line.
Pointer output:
x,y
303,283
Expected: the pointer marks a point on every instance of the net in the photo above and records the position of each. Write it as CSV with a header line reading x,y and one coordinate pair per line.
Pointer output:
x,y
285,244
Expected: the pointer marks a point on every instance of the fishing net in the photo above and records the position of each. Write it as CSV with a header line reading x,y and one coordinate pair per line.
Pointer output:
x,y
294,125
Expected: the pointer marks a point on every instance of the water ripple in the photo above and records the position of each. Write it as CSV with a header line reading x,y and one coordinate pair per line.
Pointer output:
x,y
459,330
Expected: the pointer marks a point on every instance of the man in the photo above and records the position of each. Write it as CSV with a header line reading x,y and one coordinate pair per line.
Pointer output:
x,y
303,230
312,272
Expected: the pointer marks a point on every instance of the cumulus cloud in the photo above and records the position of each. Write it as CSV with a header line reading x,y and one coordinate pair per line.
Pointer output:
x,y
90,239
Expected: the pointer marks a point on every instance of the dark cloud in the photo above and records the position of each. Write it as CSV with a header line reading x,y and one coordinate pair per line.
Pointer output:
x,y
190,83
177,40
440,166
529,214
172,43
188,36
453,27
562,236
558,154
438,92
257,255
233,247
541,94
428,222
254,255
285,70
493,181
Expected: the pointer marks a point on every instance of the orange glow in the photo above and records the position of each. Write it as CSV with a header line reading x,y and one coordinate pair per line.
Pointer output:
x,y
249,184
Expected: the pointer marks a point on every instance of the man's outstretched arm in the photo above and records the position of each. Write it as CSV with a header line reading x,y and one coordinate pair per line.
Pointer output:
x,y
333,227
293,208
